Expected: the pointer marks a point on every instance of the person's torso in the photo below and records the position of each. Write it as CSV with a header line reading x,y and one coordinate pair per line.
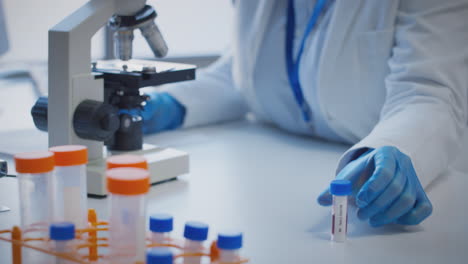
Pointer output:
x,y
341,73
271,84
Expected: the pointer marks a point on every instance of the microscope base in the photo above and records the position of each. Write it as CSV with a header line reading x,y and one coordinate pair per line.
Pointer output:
x,y
164,164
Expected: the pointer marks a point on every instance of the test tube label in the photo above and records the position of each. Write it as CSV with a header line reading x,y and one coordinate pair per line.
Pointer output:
x,y
339,218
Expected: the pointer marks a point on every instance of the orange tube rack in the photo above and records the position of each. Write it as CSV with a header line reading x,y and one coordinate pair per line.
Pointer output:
x,y
89,242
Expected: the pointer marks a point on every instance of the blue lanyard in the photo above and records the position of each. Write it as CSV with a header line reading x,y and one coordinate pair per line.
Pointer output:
x,y
293,66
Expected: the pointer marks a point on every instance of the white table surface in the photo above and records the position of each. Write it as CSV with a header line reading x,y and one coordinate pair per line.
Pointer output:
x,y
264,182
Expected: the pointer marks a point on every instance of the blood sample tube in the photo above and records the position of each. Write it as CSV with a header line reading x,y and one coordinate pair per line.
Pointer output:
x,y
126,160
70,184
35,188
159,256
195,234
229,245
160,226
62,236
340,189
127,200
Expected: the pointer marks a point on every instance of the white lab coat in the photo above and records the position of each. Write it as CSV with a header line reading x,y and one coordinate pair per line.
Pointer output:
x,y
392,73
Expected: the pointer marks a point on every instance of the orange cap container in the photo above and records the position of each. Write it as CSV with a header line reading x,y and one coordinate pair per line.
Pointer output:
x,y
34,162
70,155
128,181
133,161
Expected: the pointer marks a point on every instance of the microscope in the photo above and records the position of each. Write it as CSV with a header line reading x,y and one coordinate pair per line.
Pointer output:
x,y
99,104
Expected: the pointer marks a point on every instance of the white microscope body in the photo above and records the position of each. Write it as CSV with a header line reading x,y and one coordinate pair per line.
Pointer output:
x,y
71,81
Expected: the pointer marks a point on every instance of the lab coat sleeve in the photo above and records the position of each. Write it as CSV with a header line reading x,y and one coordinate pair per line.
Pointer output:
x,y
212,97
425,112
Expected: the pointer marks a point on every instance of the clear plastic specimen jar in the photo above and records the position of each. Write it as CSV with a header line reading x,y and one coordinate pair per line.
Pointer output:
x,y
35,189
127,200
70,184
126,160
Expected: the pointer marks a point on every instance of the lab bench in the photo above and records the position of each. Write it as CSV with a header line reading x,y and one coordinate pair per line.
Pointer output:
x,y
264,182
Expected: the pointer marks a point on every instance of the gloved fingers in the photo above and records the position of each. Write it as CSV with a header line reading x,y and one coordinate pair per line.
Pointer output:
x,y
325,198
423,207
421,211
385,166
352,172
392,191
402,205
162,112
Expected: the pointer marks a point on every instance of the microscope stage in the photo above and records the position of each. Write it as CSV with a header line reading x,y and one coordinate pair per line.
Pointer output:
x,y
143,73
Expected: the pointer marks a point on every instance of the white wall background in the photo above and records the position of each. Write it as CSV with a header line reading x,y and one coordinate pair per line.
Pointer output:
x,y
190,27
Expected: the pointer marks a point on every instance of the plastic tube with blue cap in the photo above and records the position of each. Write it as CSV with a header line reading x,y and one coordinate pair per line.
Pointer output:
x,y
159,256
340,189
62,236
229,245
195,234
161,225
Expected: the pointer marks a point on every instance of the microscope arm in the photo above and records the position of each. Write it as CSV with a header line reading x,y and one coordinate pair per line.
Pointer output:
x,y
70,77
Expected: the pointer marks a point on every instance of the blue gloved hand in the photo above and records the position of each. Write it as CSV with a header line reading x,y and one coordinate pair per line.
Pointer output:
x,y
385,187
162,112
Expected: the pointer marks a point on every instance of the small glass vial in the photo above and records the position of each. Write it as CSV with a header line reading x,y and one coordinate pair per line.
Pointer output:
x,y
126,160
70,184
195,234
340,189
62,236
35,190
160,226
127,200
229,245
159,256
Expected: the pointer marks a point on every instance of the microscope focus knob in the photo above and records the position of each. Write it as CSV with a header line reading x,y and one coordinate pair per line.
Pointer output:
x,y
39,113
95,120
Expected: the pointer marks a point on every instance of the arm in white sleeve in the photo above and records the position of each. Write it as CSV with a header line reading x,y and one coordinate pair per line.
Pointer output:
x,y
425,111
212,97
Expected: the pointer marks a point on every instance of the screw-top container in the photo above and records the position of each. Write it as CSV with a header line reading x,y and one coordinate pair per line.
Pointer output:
x,y
35,189
340,189
62,236
127,189
70,184
195,234
161,225
127,160
229,245
159,256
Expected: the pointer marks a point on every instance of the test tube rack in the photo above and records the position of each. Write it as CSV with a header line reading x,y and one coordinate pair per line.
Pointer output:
x,y
89,242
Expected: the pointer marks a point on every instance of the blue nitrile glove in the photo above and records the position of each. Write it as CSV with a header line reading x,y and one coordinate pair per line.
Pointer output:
x,y
385,187
162,112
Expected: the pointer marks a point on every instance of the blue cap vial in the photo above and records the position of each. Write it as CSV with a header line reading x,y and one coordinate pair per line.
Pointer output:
x,y
230,240
196,231
159,256
62,231
161,223
340,187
